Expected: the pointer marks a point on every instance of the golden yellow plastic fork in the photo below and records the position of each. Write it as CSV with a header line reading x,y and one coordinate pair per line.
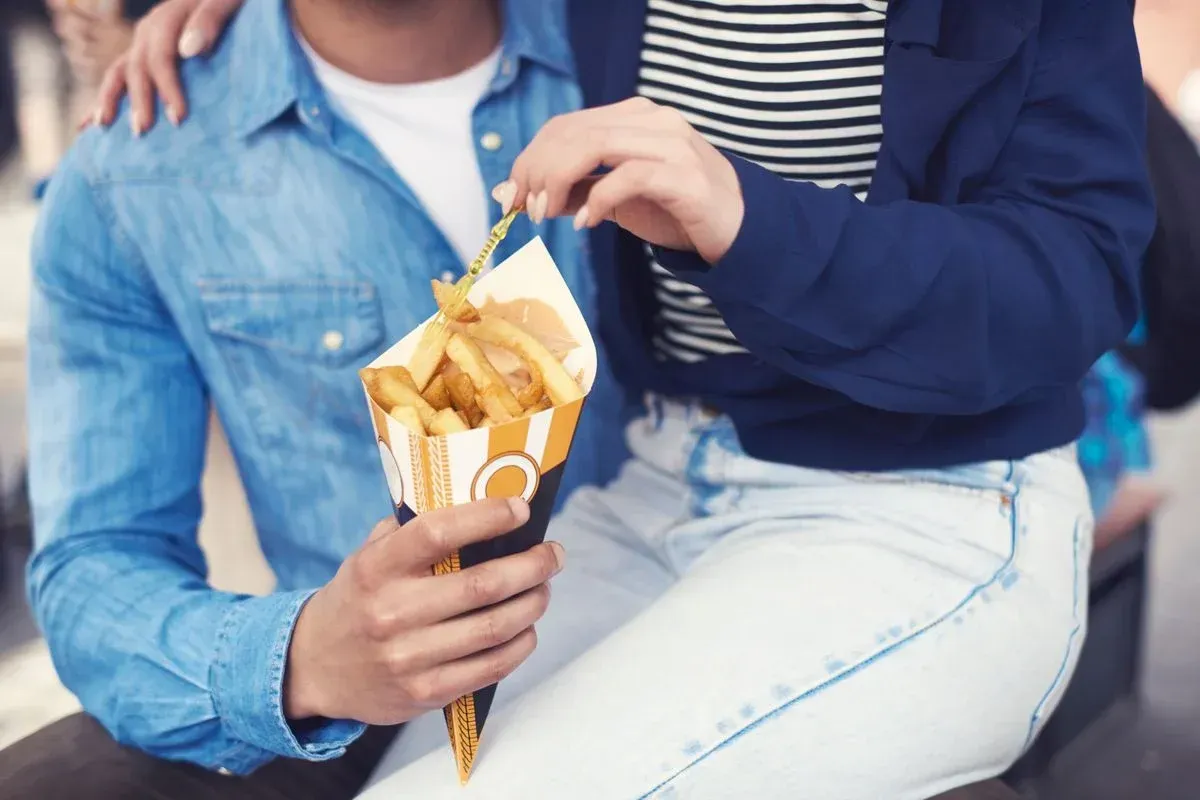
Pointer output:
x,y
463,287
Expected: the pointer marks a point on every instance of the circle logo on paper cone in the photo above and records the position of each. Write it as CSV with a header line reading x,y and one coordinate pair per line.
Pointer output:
x,y
507,475
391,471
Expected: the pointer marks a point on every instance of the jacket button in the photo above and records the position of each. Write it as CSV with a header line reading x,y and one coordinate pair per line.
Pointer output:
x,y
333,340
491,141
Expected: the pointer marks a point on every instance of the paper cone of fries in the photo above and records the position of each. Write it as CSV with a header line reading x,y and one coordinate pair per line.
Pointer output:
x,y
477,411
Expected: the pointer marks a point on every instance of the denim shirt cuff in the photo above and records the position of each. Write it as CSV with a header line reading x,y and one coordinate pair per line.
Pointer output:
x,y
248,675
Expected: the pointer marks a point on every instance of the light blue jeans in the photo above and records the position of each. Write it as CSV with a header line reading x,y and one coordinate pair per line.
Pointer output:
x,y
729,628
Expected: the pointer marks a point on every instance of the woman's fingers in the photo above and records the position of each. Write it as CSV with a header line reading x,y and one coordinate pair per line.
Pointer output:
x,y
609,148
112,87
634,180
204,26
174,29
573,146
163,73
141,93
153,66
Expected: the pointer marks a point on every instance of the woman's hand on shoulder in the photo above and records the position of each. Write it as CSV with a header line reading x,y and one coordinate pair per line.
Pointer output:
x,y
173,30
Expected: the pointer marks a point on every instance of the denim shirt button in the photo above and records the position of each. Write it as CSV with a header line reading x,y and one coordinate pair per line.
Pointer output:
x,y
491,141
447,277
225,772
333,340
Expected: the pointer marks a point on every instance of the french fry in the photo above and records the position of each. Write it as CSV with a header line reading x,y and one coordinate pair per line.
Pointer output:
x,y
384,383
443,293
450,384
428,357
409,418
532,393
390,393
462,396
447,421
436,394
560,386
490,400
464,352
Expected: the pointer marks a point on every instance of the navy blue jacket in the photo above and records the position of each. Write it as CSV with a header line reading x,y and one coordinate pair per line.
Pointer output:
x,y
950,317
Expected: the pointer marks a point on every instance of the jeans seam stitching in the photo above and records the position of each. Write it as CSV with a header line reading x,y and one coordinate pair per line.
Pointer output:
x,y
865,663
1075,629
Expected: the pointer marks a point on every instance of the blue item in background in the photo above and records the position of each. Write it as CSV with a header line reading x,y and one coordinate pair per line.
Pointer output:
x,y
1114,440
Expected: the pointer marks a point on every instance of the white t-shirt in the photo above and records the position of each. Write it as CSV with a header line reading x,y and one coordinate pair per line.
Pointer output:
x,y
425,132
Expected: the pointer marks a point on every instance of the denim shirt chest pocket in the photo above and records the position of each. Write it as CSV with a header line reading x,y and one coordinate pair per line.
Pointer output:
x,y
291,350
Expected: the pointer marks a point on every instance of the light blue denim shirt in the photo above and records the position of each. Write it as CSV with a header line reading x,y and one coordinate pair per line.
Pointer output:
x,y
253,260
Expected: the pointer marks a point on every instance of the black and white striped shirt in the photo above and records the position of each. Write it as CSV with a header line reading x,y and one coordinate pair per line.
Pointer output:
x,y
793,86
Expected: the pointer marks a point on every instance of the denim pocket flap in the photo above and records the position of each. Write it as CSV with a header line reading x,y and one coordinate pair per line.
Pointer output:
x,y
329,322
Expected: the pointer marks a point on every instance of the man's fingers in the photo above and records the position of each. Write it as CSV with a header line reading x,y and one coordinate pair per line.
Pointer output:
x,y
436,534
204,26
471,634
442,685
443,597
383,528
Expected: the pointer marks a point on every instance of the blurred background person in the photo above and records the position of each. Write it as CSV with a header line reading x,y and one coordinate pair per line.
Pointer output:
x,y
93,34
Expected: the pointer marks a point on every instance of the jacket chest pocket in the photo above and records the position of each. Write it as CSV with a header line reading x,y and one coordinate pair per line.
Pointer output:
x,y
292,351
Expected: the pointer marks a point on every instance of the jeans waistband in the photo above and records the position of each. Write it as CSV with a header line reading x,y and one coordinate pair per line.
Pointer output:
x,y
698,444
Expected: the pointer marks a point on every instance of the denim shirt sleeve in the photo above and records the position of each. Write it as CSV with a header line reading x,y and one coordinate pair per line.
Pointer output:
x,y
118,424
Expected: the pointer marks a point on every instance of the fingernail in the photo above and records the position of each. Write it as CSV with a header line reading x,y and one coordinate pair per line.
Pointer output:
x,y
581,218
560,555
173,115
537,207
520,509
135,122
191,43
504,194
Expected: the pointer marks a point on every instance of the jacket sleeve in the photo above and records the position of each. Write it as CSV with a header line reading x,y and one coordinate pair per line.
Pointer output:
x,y
117,427
920,308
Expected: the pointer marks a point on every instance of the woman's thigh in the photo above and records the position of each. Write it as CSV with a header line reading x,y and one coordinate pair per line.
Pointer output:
x,y
851,642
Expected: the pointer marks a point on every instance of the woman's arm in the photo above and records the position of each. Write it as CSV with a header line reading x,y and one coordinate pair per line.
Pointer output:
x,y
907,307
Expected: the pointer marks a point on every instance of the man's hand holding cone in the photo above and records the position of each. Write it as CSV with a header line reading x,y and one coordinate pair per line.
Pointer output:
x,y
388,640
